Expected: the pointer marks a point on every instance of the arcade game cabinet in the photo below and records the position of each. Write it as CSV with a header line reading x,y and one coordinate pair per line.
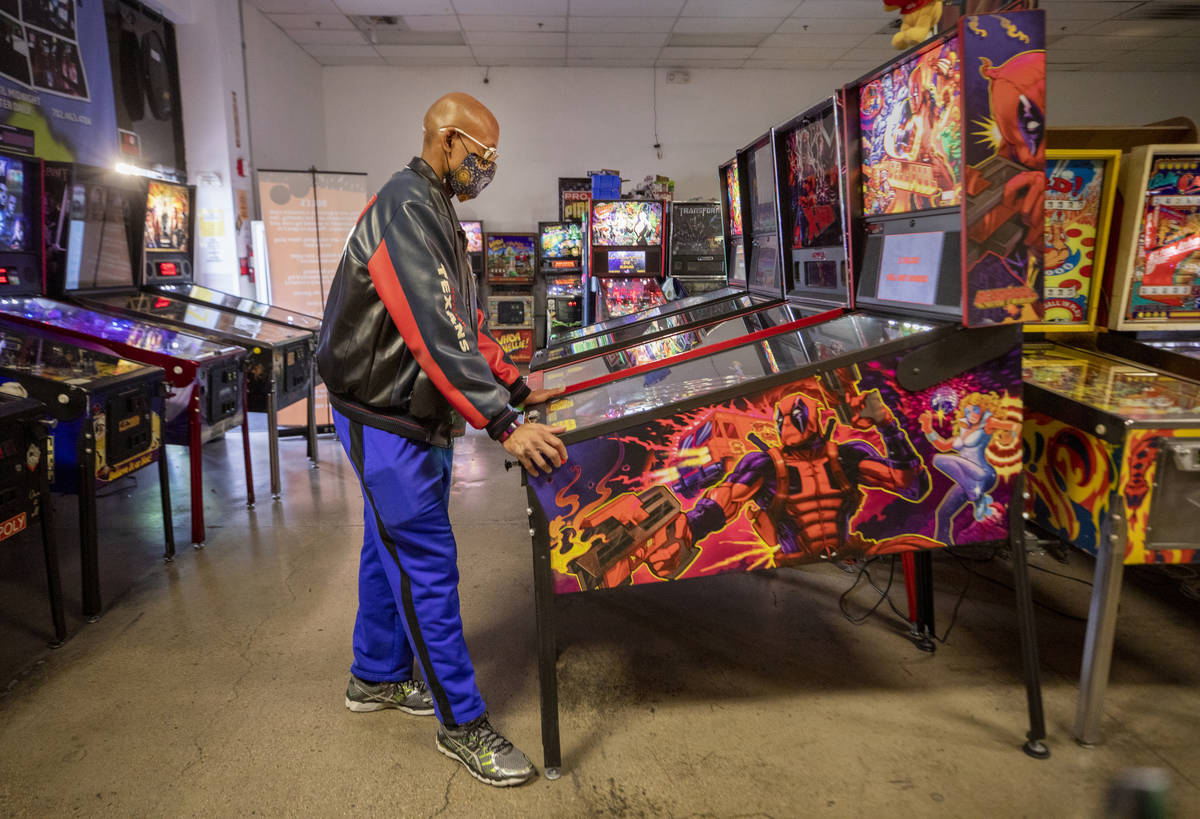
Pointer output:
x,y
473,231
26,454
625,248
205,378
1154,312
697,247
108,424
279,369
1113,443
560,257
675,472
511,273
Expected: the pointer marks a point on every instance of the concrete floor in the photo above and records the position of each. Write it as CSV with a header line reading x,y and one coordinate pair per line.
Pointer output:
x,y
213,685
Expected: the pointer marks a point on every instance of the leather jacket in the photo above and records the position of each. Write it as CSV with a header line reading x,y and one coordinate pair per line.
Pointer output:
x,y
404,345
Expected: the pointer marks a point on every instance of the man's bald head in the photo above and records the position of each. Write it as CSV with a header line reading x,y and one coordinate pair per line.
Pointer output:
x,y
459,110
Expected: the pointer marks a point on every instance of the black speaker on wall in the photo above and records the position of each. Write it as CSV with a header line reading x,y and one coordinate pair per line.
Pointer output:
x,y
156,76
129,77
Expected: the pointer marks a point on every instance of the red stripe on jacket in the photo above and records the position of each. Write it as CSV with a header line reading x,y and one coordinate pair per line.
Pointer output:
x,y
383,275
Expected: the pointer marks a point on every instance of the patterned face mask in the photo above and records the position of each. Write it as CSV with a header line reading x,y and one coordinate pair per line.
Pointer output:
x,y
470,178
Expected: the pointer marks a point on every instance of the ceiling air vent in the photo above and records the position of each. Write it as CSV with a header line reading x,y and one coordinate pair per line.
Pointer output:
x,y
1162,11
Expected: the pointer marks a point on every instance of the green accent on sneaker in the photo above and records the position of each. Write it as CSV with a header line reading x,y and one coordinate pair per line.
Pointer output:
x,y
485,753
409,696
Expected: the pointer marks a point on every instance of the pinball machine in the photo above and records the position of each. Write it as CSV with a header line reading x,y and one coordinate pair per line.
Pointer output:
x,y
560,261
107,414
675,472
1112,421
626,246
511,260
99,275
473,232
205,379
26,452
697,257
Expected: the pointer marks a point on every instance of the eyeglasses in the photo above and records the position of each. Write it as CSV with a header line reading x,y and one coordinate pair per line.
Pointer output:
x,y
489,153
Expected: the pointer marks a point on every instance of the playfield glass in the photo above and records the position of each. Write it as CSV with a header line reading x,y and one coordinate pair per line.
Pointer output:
x,y
474,233
1166,273
1073,191
201,317
168,218
562,241
911,126
656,314
627,223
1128,390
15,231
33,351
135,333
671,383
217,298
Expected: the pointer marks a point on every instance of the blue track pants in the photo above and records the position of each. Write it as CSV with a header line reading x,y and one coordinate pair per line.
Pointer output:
x,y
408,572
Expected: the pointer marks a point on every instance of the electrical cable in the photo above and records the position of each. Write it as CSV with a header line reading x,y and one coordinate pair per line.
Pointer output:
x,y
654,109
864,572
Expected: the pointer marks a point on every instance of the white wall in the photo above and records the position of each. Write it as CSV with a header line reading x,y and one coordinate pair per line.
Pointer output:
x,y
286,105
566,121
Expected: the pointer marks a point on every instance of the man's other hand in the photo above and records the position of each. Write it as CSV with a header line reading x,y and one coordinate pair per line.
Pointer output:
x,y
537,446
542,396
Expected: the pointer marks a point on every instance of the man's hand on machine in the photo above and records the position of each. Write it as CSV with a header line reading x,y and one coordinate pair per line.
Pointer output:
x,y
542,396
537,447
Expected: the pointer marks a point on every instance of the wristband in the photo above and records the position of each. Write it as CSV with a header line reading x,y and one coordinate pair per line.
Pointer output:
x,y
504,436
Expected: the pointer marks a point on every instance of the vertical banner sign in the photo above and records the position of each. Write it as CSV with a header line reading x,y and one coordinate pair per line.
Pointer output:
x,y
307,217
56,93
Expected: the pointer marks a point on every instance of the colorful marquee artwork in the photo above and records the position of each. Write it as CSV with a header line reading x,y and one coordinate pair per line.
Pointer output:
x,y
1166,275
870,469
1073,197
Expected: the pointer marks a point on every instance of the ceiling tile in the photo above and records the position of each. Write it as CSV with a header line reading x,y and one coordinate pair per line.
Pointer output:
x,y
511,22
711,53
727,25
518,7
845,9
326,22
458,52
576,62
519,61
739,8
625,8
1191,44
831,25
423,61
628,38
606,53
798,65
1085,42
746,40
303,36
397,7
349,60
432,22
517,38
296,6
1054,57
493,54
684,63
842,41
808,53
1152,56
329,50
1084,9
429,38
879,42
619,24
1143,28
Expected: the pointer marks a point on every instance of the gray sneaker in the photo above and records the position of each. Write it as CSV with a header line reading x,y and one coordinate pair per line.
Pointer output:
x,y
489,757
409,696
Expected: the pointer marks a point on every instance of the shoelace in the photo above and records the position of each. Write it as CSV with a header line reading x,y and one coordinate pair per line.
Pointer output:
x,y
487,737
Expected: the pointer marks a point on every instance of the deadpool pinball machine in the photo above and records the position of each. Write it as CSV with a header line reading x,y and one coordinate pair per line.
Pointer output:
x,y
26,453
107,414
894,430
279,358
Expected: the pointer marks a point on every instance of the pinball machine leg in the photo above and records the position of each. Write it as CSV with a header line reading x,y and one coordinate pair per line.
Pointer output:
x,y
50,550
543,596
1098,643
312,414
1035,739
196,472
164,492
273,444
88,547
246,443
912,591
923,583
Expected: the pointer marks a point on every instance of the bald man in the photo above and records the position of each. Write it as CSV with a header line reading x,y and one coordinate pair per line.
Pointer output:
x,y
403,348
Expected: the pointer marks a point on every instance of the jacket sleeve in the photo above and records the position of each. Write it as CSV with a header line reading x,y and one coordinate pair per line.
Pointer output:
x,y
503,368
410,269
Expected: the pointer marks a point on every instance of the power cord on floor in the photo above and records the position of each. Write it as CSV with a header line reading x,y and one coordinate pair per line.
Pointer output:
x,y
1004,585
865,572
